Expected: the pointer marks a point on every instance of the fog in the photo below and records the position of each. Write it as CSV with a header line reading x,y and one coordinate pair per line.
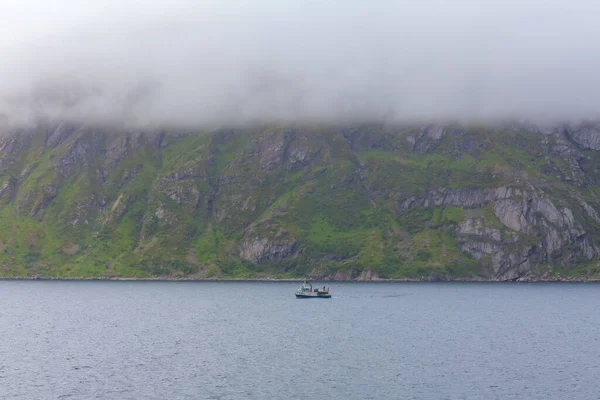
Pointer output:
x,y
234,62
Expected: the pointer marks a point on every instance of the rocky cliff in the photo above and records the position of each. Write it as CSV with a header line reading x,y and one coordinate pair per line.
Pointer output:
x,y
367,202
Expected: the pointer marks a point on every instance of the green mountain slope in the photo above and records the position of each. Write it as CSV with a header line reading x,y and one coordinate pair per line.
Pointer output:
x,y
344,202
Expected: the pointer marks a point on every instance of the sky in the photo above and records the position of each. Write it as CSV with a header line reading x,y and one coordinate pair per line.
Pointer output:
x,y
236,62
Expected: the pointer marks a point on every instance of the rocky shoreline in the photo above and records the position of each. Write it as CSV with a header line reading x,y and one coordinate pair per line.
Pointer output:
x,y
524,279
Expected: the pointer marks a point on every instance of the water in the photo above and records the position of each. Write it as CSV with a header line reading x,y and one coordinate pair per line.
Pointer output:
x,y
209,340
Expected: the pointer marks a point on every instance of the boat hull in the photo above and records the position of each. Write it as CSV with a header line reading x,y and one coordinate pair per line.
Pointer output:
x,y
308,296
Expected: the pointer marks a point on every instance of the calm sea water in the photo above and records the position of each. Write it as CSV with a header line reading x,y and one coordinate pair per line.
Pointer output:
x,y
209,340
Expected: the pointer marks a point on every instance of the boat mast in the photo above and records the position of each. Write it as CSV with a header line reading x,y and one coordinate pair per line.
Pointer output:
x,y
307,283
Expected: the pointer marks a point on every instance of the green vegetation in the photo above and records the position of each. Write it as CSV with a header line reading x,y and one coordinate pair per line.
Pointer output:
x,y
278,202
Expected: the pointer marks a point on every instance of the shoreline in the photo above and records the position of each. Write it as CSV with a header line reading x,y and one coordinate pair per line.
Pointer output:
x,y
378,280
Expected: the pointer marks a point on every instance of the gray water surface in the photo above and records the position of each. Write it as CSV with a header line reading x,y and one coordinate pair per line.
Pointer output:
x,y
251,340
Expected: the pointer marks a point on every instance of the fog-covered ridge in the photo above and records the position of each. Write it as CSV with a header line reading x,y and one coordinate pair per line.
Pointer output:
x,y
214,62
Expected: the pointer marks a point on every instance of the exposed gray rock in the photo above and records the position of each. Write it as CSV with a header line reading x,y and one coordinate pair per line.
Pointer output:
x,y
587,135
476,227
408,203
510,266
479,249
184,193
26,171
301,152
57,134
78,152
468,197
512,214
427,137
271,148
263,249
562,240
6,191
588,250
590,210
368,275
115,152
49,192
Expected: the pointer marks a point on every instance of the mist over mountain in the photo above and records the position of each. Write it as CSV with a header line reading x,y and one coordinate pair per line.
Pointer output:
x,y
215,63
332,139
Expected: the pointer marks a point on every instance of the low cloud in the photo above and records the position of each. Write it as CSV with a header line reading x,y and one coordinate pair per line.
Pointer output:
x,y
234,62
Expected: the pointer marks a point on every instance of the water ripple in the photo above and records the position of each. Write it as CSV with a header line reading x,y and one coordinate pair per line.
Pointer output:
x,y
217,340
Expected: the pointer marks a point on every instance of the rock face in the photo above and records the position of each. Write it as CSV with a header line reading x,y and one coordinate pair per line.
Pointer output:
x,y
262,249
585,135
559,238
427,138
509,202
469,197
512,214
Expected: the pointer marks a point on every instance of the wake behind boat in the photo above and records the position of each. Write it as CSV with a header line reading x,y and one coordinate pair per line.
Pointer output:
x,y
306,291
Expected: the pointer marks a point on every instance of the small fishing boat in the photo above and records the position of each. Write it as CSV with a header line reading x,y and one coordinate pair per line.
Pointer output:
x,y
306,291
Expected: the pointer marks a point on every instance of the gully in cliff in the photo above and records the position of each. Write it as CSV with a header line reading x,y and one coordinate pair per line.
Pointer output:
x,y
306,291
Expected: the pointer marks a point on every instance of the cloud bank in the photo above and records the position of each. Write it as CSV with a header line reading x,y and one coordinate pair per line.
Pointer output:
x,y
234,62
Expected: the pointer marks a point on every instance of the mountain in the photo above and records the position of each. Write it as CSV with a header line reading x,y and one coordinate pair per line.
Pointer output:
x,y
499,202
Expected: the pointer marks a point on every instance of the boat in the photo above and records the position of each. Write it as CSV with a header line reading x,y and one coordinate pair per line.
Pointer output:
x,y
306,291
